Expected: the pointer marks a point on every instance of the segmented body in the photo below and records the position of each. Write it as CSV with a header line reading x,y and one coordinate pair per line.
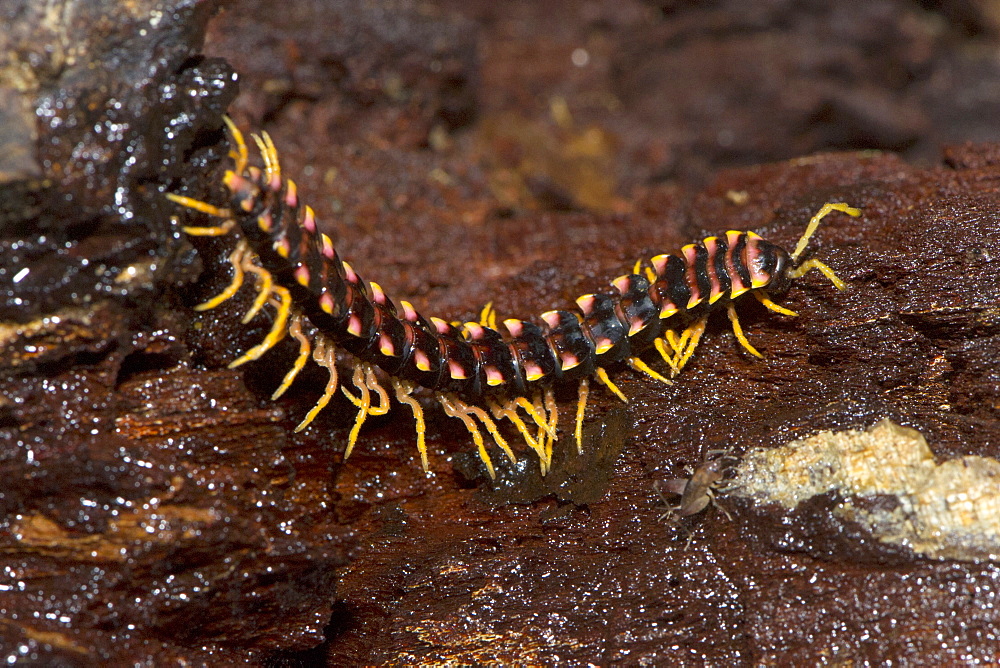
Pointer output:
x,y
472,367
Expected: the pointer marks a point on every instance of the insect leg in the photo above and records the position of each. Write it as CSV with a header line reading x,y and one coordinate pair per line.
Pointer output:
x,y
581,406
277,332
295,329
814,223
602,376
452,410
235,259
738,331
809,265
324,354
639,365
403,390
766,301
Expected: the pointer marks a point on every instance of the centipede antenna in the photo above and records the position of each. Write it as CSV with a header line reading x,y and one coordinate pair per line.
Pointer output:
x,y
295,329
809,265
766,301
581,406
324,354
814,224
403,390
738,330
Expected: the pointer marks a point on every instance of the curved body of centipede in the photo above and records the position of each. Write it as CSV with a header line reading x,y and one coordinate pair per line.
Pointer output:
x,y
473,370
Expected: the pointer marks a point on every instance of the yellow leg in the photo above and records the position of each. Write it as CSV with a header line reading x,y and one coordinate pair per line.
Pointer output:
x,y
509,411
235,259
491,427
738,331
403,390
277,332
602,376
669,357
295,329
371,385
239,153
272,166
488,316
766,301
581,406
553,409
677,342
537,414
809,265
451,409
639,365
265,283
211,210
814,223
363,404
693,336
371,380
324,354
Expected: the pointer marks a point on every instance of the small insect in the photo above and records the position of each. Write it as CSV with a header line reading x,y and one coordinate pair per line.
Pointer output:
x,y
697,491
475,373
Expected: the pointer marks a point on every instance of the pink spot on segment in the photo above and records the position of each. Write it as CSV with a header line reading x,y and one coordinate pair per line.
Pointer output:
x,y
309,220
354,325
421,360
493,376
515,327
302,275
551,318
328,250
409,313
378,295
532,371
349,273
385,346
326,303
456,370
569,360
586,303
440,325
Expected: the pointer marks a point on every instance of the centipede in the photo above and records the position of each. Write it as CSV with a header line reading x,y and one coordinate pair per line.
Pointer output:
x,y
474,371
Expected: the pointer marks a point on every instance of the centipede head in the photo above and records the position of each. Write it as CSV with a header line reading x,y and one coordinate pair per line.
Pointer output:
x,y
779,270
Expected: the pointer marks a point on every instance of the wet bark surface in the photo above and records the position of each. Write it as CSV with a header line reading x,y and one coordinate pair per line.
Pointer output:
x,y
156,504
